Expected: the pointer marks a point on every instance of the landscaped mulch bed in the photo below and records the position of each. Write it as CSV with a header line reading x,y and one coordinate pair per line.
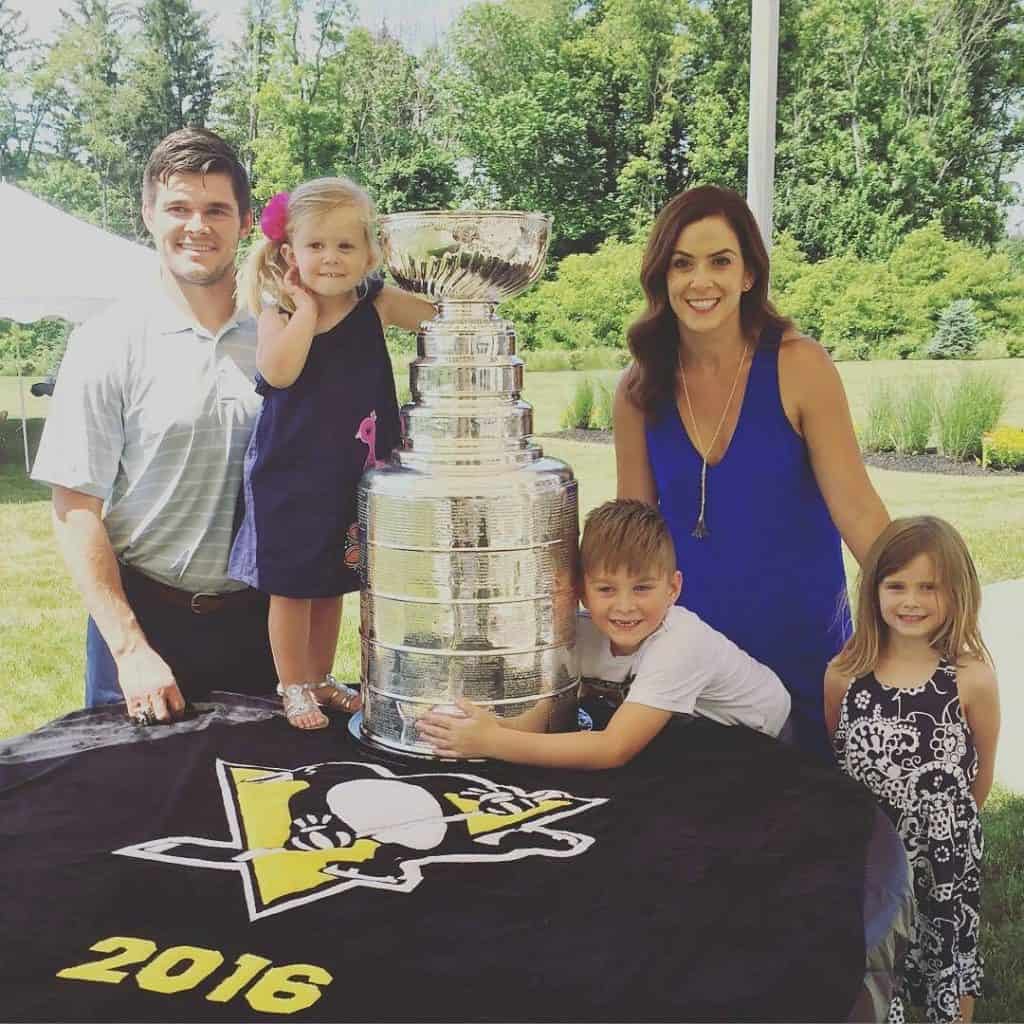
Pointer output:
x,y
930,462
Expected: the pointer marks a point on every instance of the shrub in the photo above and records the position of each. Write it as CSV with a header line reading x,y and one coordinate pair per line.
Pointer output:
x,y
1003,448
958,333
1015,346
788,264
581,406
914,413
5,436
869,313
589,303
597,358
547,360
809,297
601,418
992,346
967,411
878,433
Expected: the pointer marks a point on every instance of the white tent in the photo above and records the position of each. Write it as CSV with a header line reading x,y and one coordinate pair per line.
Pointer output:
x,y
57,265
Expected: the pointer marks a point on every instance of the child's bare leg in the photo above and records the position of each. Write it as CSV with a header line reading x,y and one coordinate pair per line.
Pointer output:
x,y
967,1009
289,627
325,622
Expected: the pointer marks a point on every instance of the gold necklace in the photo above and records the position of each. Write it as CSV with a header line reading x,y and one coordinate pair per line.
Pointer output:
x,y
701,530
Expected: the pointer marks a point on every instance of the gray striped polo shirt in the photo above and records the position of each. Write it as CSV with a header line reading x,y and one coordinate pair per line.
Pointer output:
x,y
153,413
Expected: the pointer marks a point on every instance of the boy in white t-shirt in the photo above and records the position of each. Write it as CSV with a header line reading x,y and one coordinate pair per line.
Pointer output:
x,y
662,658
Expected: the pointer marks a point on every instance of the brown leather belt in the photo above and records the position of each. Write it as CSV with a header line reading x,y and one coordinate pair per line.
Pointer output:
x,y
199,603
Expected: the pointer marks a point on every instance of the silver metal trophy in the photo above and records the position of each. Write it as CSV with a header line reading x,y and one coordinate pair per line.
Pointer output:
x,y
470,532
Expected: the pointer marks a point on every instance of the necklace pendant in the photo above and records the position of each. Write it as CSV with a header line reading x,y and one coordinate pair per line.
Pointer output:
x,y
700,531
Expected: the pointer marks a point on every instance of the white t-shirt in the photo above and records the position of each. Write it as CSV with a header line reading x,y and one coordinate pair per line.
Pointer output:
x,y
688,668
152,413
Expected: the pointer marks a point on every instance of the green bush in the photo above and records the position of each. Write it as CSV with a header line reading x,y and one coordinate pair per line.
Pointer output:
x,y
869,313
581,406
546,360
589,303
914,413
5,436
788,264
958,333
1003,448
809,297
601,418
878,433
1015,345
861,309
967,411
32,349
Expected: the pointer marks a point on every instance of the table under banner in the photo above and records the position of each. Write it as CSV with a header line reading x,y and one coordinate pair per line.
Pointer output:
x,y
232,868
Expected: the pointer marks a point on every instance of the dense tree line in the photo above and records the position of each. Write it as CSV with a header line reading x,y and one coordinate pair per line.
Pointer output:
x,y
893,114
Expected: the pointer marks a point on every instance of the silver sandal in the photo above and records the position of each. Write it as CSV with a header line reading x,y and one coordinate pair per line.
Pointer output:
x,y
306,698
341,698
299,699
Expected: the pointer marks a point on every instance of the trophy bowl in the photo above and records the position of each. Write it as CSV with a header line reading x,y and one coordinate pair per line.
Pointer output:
x,y
465,255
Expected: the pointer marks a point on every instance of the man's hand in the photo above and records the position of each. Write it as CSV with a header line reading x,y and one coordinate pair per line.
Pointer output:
x,y
149,687
469,734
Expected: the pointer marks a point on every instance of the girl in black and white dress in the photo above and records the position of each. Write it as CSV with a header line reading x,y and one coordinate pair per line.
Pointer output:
x,y
913,708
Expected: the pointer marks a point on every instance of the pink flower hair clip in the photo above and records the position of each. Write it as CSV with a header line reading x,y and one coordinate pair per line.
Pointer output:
x,y
274,218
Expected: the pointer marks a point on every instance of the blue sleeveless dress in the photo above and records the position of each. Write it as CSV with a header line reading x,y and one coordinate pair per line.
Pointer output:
x,y
310,445
769,575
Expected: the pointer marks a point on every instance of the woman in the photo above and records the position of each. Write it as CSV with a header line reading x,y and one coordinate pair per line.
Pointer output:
x,y
738,427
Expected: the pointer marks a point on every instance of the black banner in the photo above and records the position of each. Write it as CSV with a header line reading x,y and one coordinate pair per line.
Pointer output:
x,y
233,868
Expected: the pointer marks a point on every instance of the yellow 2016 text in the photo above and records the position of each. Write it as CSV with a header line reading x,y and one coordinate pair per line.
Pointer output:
x,y
286,988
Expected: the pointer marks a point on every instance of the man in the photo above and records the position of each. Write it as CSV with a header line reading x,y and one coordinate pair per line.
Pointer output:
x,y
144,448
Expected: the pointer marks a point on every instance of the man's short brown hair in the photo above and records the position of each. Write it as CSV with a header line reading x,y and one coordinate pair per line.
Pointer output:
x,y
627,533
196,151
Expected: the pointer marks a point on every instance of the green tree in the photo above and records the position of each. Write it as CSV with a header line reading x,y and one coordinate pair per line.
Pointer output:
x,y
170,78
89,114
236,112
13,46
897,112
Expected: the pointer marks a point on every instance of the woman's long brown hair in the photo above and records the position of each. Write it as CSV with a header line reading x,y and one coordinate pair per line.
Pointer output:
x,y
654,336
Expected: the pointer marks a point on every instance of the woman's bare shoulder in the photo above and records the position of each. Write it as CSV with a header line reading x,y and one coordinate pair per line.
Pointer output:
x,y
794,344
804,358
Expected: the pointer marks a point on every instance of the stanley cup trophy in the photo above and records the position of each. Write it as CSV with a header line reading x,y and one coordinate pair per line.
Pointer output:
x,y
469,532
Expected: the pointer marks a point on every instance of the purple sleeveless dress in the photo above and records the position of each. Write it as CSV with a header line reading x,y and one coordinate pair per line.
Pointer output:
x,y
769,575
309,448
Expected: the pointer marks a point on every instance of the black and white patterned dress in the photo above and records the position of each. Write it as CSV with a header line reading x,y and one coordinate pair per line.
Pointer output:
x,y
913,749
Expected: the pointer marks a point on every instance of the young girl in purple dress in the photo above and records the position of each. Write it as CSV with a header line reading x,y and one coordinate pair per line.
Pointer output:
x,y
329,413
913,707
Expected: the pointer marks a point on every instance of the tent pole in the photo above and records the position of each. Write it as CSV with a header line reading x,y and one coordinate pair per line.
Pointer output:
x,y
764,64
21,400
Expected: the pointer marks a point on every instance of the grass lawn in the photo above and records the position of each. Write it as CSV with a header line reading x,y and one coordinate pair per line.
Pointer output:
x,y
42,622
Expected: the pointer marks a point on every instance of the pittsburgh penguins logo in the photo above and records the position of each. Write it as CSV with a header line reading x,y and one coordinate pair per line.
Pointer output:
x,y
299,835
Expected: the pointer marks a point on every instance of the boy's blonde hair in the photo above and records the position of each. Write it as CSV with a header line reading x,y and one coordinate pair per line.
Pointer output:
x,y
897,545
264,268
627,533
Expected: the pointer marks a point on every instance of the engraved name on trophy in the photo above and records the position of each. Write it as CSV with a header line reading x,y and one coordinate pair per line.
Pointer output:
x,y
470,532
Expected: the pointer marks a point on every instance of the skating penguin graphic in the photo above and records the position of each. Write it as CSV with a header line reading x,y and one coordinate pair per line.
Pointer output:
x,y
302,834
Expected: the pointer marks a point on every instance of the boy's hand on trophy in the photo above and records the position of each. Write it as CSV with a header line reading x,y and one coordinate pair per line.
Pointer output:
x,y
458,730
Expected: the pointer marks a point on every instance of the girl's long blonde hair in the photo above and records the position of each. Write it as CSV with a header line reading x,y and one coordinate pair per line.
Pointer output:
x,y
264,268
899,543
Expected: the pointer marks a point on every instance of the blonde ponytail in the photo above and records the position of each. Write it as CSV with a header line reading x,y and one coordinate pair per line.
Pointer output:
x,y
262,275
